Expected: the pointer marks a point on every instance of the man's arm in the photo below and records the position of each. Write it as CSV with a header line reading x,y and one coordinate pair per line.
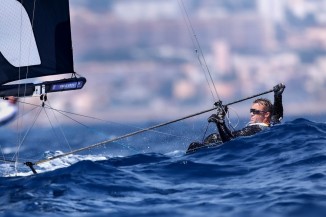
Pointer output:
x,y
277,115
218,119
224,132
227,135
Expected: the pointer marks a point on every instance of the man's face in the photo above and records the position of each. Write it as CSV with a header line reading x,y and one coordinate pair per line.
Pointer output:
x,y
258,113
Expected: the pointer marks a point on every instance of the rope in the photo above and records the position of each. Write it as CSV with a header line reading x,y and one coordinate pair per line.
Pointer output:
x,y
23,139
84,125
200,55
95,118
54,132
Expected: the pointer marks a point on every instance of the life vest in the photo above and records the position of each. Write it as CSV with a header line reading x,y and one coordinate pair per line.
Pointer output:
x,y
261,125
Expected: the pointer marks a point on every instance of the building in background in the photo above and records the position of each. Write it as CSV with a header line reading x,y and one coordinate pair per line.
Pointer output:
x,y
146,56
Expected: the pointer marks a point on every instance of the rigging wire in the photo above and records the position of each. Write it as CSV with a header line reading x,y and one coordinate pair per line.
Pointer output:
x,y
198,49
99,119
2,151
203,63
27,132
61,130
84,125
201,59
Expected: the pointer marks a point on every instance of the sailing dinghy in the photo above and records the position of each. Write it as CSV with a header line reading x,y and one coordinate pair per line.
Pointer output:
x,y
35,42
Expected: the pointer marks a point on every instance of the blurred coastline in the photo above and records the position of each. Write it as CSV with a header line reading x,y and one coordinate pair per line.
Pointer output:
x,y
140,61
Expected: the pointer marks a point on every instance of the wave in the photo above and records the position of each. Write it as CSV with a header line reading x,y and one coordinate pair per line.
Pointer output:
x,y
278,172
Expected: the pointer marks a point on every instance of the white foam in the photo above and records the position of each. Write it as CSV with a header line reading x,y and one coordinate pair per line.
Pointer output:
x,y
10,170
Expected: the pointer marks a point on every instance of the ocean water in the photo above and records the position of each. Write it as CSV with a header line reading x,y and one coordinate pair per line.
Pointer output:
x,y
279,172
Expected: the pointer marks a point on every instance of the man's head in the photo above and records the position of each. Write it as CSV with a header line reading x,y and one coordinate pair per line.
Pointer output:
x,y
261,111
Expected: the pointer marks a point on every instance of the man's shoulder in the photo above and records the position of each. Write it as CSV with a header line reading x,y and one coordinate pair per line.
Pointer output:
x,y
258,126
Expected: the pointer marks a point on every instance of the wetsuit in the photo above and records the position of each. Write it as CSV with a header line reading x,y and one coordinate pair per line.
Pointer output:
x,y
226,135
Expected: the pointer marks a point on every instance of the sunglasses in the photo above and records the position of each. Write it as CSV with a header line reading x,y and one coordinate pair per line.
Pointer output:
x,y
256,112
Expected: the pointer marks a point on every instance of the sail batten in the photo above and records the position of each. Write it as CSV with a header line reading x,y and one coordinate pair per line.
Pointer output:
x,y
35,39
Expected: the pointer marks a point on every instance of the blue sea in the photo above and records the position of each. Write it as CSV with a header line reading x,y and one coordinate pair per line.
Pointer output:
x,y
278,172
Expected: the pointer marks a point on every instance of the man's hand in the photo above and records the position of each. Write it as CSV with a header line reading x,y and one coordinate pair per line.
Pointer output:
x,y
219,117
278,89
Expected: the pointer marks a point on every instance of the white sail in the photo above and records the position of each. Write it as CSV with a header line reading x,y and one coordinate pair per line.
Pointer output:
x,y
17,42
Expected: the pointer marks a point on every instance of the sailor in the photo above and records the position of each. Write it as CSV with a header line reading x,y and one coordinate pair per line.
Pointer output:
x,y
263,114
8,110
